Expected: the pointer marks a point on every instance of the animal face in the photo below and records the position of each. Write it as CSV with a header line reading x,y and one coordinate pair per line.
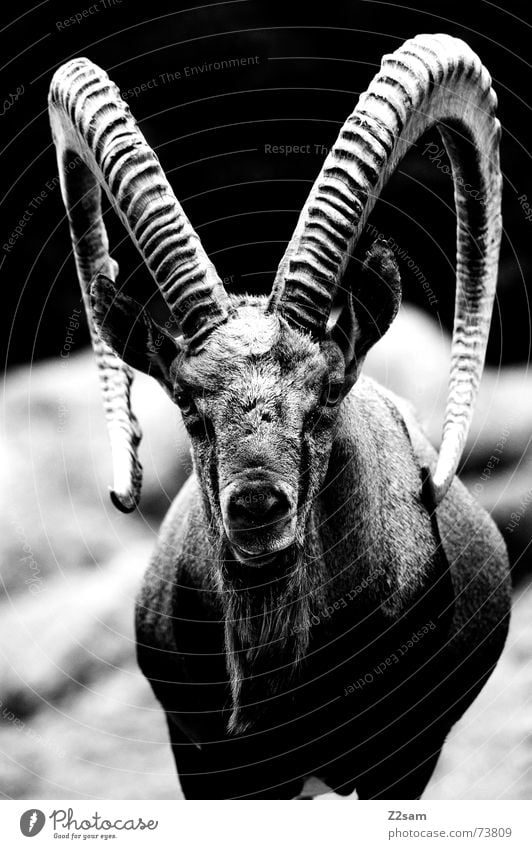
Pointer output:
x,y
259,398
260,403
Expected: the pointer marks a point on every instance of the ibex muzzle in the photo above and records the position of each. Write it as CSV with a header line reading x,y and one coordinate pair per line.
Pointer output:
x,y
259,516
321,483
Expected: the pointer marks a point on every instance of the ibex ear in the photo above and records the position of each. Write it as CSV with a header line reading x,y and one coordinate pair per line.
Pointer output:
x,y
132,334
370,308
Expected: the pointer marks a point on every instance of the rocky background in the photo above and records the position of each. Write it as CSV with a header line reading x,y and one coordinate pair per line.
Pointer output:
x,y
77,720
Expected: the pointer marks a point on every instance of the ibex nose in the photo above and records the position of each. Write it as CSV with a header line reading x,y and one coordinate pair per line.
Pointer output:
x,y
257,505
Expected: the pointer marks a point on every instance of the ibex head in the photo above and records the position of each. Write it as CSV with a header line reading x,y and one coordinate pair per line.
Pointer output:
x,y
259,381
259,397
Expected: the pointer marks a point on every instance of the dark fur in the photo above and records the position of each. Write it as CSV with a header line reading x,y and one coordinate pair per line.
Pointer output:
x,y
267,627
256,726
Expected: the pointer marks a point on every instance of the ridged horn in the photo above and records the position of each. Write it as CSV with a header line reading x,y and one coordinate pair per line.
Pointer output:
x,y
431,79
98,144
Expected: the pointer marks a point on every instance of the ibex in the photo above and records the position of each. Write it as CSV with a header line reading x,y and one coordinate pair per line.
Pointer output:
x,y
326,598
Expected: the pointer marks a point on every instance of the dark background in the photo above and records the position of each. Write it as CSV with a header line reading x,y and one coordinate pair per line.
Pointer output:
x,y
210,130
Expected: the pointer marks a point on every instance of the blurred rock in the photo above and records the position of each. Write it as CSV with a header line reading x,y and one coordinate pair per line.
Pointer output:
x,y
77,718
55,510
413,359
77,631
488,754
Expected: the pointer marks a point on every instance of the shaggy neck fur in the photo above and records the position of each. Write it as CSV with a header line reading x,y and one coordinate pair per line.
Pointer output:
x,y
267,627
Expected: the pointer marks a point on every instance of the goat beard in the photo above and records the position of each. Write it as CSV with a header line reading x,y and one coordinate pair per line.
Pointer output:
x,y
267,630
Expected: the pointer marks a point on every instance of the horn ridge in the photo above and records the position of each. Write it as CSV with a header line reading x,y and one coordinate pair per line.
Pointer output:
x,y
99,145
431,79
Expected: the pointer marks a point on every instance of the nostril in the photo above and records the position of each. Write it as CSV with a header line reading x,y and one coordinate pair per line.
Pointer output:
x,y
239,511
252,507
277,507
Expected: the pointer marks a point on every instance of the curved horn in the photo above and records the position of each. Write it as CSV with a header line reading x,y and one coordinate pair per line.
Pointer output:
x,y
430,79
99,144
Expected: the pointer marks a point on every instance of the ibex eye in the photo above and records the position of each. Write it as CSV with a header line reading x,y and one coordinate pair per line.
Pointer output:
x,y
185,404
331,393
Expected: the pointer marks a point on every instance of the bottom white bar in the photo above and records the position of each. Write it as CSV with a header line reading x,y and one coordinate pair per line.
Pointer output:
x,y
267,825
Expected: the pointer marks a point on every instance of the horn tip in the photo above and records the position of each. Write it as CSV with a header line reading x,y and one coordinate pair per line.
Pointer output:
x,y
125,502
438,486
